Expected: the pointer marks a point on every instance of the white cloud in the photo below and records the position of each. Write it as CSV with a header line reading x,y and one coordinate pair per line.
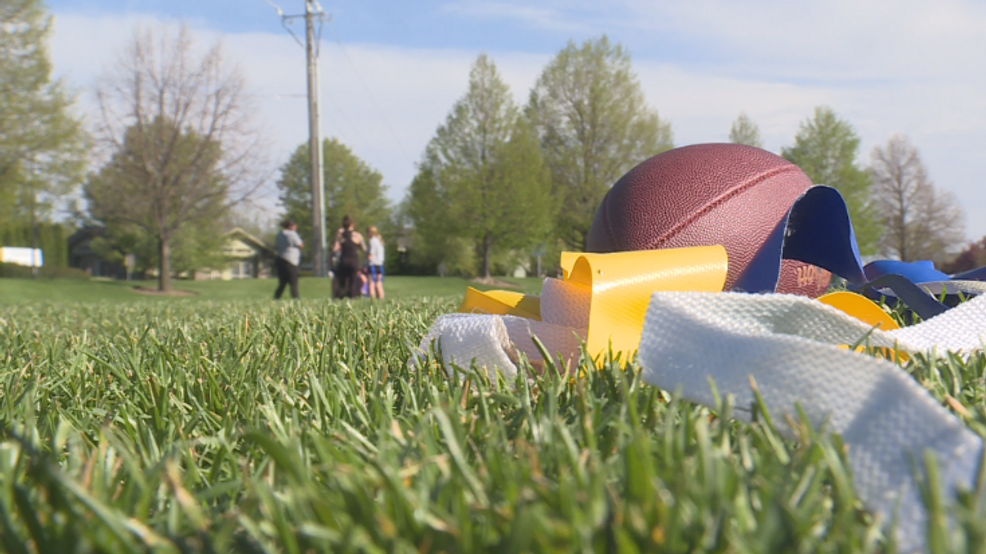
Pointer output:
x,y
545,18
384,102
914,69
839,39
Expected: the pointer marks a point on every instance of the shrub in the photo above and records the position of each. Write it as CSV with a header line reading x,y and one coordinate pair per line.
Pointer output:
x,y
71,273
15,271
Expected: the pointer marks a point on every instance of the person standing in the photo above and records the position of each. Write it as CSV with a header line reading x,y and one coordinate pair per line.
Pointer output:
x,y
348,244
288,245
375,261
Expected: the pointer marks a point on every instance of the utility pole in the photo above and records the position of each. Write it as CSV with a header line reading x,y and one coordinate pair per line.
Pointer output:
x,y
313,12
312,9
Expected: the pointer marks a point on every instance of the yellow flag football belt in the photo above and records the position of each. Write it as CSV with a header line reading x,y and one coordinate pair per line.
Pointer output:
x,y
667,308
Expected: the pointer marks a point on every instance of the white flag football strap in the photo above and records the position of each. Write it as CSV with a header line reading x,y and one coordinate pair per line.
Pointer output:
x,y
790,345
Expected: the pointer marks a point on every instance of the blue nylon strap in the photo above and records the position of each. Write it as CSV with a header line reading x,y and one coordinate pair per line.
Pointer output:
x,y
764,270
820,233
817,230
978,274
916,272
904,289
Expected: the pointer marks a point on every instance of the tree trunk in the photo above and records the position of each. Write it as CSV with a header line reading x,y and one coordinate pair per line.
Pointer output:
x,y
34,237
487,249
164,265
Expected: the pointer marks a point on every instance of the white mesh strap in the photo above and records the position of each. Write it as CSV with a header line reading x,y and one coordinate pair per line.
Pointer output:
x,y
468,338
789,346
494,342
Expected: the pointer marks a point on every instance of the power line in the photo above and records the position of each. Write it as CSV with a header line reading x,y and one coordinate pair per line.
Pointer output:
x,y
373,101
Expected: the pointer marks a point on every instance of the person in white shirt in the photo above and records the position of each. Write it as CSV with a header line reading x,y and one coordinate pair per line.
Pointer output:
x,y
289,246
375,260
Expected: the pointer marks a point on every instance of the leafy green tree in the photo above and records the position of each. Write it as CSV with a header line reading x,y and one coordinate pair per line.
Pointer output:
x,y
195,245
43,147
594,125
826,149
745,131
51,238
483,171
183,149
431,230
351,187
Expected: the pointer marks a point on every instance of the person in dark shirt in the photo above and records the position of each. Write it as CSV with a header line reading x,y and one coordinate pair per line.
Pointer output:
x,y
349,244
289,246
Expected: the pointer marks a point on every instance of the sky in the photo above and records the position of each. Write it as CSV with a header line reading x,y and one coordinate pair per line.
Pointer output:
x,y
390,71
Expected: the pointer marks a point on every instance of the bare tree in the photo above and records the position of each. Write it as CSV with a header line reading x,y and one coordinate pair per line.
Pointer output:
x,y
183,149
920,221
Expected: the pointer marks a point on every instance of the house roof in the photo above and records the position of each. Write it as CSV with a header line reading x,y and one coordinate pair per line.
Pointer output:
x,y
85,233
247,237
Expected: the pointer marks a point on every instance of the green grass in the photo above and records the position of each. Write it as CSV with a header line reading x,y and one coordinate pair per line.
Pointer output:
x,y
28,291
254,426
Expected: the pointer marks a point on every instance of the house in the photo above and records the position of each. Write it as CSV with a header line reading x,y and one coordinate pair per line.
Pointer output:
x,y
247,258
82,256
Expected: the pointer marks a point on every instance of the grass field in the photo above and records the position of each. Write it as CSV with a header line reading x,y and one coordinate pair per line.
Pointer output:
x,y
254,426
27,291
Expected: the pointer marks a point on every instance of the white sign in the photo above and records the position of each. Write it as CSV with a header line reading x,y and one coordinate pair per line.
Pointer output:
x,y
22,256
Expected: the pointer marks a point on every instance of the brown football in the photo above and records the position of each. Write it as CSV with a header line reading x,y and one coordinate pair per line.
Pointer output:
x,y
702,195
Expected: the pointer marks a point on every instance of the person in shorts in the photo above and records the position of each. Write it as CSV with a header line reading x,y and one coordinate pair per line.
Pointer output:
x,y
375,259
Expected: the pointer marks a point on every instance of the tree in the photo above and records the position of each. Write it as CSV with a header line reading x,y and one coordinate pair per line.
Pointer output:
x,y
745,131
433,239
920,222
594,125
189,219
972,257
351,187
826,148
485,168
183,151
194,246
43,149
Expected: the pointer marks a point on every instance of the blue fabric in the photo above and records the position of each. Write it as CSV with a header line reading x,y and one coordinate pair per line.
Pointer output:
x,y
818,230
916,272
913,296
978,274
764,270
820,233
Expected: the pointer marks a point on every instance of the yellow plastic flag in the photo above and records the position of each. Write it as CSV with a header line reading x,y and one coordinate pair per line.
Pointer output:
x,y
861,308
501,302
620,287
867,311
622,284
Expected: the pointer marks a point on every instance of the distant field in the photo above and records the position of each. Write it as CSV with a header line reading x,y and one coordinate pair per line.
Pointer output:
x,y
25,291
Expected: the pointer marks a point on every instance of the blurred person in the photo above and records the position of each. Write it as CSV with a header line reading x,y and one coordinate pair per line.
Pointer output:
x,y
288,245
375,260
364,281
349,244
